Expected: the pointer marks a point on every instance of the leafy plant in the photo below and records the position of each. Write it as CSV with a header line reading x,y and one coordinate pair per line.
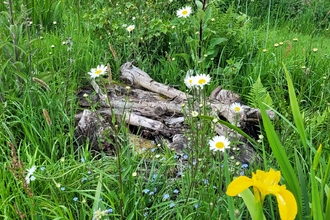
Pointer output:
x,y
259,92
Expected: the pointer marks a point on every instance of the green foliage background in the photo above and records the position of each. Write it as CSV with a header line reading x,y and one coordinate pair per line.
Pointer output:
x,y
242,45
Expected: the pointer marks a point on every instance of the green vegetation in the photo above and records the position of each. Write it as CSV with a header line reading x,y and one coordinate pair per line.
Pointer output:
x,y
275,54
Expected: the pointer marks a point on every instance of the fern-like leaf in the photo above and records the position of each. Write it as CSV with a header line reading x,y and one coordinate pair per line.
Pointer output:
x,y
260,92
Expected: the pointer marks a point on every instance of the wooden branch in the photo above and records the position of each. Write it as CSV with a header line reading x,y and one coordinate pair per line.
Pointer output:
x,y
134,76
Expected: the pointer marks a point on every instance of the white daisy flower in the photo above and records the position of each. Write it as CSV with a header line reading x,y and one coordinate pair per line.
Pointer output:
x,y
130,28
96,72
184,12
202,80
194,114
190,80
236,107
219,143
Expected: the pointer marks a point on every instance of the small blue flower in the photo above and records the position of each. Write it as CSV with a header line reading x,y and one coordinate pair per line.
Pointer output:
x,y
145,190
82,160
63,188
89,172
241,173
75,199
215,187
153,150
194,162
176,191
144,149
109,211
166,196
151,193
179,173
145,214
244,165
153,177
83,179
163,159
172,205
196,205
42,168
205,181
175,156
185,156
155,189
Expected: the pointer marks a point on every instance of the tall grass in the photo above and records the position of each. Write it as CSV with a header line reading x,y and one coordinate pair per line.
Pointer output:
x,y
47,47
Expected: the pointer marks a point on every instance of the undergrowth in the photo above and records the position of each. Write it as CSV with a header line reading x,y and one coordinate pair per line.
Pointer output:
x,y
254,48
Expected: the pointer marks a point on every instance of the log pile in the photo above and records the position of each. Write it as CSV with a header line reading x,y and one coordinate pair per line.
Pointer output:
x,y
155,110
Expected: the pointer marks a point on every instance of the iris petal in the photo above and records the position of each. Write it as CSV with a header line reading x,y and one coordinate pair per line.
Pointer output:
x,y
265,183
238,185
287,204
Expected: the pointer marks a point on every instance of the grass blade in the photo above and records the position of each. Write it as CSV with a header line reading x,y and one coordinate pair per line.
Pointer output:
x,y
97,194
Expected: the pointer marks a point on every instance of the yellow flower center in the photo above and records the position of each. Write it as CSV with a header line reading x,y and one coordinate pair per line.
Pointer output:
x,y
184,12
98,72
190,81
219,145
201,81
237,109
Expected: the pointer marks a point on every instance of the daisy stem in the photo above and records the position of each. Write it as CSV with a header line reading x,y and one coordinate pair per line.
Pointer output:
x,y
201,31
117,145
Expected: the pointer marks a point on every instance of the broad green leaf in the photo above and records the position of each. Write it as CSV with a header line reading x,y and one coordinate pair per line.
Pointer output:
x,y
282,159
317,157
327,191
208,14
230,199
199,4
249,201
227,124
304,190
216,41
316,206
327,208
185,56
295,109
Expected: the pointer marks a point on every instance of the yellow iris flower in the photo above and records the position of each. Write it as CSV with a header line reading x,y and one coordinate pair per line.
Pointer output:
x,y
265,183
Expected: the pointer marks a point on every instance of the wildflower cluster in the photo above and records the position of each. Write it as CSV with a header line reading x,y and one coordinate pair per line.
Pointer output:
x,y
217,143
98,214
